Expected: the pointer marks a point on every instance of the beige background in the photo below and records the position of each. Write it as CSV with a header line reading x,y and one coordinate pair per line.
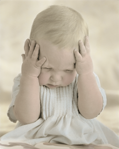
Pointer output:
x,y
102,17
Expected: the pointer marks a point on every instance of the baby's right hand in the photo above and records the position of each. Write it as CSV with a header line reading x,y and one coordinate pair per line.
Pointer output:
x,y
31,66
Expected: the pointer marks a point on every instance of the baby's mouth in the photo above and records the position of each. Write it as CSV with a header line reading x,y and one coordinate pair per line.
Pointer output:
x,y
50,85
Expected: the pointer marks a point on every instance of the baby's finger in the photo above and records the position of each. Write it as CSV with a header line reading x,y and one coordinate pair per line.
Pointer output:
x,y
40,62
82,49
31,48
77,55
26,47
86,43
35,52
38,54
29,43
23,57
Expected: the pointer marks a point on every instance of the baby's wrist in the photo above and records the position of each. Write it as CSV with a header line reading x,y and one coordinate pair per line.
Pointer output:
x,y
27,78
89,73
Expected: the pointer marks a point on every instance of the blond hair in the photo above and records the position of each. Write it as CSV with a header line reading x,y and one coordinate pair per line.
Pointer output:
x,y
61,25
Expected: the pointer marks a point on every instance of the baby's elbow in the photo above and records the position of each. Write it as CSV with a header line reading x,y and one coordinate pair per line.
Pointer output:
x,y
26,121
23,119
90,115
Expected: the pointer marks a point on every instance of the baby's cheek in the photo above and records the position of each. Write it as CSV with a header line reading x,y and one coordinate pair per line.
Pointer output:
x,y
69,79
43,79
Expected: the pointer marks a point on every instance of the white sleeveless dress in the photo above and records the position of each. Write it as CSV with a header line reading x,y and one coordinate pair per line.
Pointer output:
x,y
60,120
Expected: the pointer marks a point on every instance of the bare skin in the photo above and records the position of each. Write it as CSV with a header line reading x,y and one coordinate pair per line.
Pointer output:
x,y
89,97
27,106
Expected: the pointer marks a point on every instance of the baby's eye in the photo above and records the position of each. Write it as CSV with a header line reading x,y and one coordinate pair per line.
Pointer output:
x,y
46,68
68,70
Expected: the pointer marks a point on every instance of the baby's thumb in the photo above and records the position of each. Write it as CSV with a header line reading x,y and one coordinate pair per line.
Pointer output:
x,y
40,62
23,57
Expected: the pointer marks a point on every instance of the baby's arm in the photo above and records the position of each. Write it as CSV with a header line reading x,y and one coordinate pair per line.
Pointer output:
x,y
27,103
90,102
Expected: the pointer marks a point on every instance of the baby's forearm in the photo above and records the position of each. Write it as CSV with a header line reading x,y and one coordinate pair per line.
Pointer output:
x,y
90,100
27,104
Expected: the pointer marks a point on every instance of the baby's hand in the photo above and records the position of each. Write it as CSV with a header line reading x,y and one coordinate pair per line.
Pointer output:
x,y
31,65
84,63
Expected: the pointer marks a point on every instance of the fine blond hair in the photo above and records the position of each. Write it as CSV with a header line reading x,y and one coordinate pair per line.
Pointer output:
x,y
61,25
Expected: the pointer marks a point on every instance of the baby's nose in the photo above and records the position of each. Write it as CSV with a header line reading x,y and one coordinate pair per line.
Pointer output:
x,y
56,78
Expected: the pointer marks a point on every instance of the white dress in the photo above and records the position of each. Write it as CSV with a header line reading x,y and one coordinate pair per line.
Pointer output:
x,y
60,120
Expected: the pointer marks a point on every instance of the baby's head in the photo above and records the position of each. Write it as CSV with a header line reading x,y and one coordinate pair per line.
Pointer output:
x,y
60,25
57,30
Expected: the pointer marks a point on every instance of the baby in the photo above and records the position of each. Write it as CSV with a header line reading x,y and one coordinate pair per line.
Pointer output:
x,y
57,95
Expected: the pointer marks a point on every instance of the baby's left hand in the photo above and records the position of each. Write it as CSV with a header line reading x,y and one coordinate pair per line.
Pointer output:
x,y
84,63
